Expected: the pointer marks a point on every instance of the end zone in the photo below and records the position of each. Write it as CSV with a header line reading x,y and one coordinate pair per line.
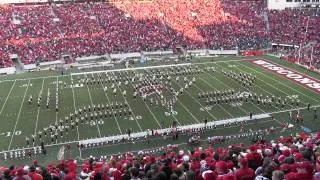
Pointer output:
x,y
290,74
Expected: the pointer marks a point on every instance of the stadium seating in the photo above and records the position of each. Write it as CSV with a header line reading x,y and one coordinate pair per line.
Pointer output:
x,y
293,157
45,32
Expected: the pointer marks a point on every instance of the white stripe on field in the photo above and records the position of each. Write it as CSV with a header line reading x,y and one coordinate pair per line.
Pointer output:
x,y
18,117
109,102
252,103
37,120
5,102
75,108
154,117
125,99
92,105
283,84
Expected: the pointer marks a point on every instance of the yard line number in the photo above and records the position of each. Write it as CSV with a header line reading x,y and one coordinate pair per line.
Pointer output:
x,y
9,134
101,122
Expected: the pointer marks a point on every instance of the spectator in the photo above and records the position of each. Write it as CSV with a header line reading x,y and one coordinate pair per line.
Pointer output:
x,y
21,176
134,173
266,173
33,174
244,172
277,175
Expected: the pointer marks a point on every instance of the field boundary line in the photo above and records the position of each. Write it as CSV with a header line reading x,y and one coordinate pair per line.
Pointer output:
x,y
90,72
18,117
231,60
5,102
287,67
157,138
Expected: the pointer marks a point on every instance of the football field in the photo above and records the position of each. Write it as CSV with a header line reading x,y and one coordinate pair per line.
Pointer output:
x,y
101,104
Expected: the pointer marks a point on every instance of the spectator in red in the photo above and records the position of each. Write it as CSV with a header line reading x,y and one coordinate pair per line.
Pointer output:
x,y
304,172
244,172
34,175
21,175
222,170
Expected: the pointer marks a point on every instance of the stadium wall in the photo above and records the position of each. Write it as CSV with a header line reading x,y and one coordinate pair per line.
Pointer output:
x,y
283,4
124,56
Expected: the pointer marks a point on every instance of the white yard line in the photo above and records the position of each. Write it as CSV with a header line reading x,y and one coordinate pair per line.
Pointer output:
x,y
282,83
38,112
264,89
56,100
243,110
196,119
92,105
268,93
109,102
247,89
150,84
18,117
154,117
125,99
218,104
75,108
5,102
252,103
176,120
198,103
187,111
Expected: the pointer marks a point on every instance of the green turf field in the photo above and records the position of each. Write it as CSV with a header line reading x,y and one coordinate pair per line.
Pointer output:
x,y
19,119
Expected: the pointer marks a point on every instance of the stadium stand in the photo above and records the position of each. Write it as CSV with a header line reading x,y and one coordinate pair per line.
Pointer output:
x,y
291,158
45,32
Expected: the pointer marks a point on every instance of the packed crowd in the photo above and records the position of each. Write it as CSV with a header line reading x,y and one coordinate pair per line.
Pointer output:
x,y
300,28
290,158
45,32
306,56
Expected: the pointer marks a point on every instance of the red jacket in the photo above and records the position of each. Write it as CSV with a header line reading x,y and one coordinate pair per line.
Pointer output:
x,y
245,174
35,176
